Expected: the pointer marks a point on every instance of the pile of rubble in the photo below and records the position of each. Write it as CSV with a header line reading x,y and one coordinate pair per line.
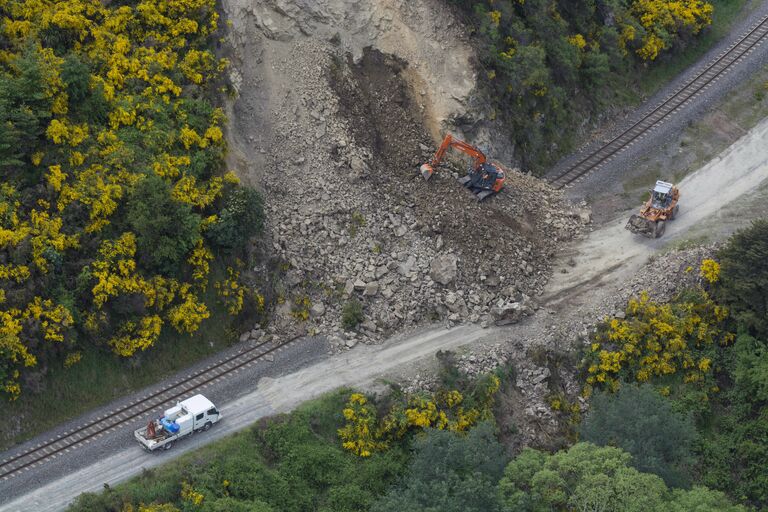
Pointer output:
x,y
666,275
355,221
337,132
529,401
662,279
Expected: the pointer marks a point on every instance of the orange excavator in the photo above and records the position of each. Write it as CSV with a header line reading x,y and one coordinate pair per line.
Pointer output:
x,y
484,178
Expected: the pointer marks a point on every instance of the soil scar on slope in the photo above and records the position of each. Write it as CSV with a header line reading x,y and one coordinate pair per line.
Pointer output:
x,y
387,116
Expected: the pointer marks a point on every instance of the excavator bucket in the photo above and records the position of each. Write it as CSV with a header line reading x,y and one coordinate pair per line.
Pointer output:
x,y
641,226
426,171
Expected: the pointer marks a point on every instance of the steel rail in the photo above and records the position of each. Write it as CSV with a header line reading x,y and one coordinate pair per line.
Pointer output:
x,y
130,412
671,104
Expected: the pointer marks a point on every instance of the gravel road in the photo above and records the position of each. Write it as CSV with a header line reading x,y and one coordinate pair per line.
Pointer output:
x,y
611,254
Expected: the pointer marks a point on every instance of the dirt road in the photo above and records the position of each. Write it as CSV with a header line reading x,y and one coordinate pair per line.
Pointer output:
x,y
610,253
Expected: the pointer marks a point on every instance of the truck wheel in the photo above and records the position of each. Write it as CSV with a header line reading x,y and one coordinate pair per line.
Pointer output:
x,y
207,425
674,212
168,446
659,229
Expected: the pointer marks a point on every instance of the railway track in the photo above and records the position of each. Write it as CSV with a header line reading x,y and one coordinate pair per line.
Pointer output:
x,y
595,158
137,409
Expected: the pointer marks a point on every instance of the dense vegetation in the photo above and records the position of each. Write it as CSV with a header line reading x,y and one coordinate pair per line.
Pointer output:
x,y
550,64
707,352
296,463
117,220
677,422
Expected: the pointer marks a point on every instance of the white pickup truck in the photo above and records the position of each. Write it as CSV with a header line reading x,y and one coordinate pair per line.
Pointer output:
x,y
186,417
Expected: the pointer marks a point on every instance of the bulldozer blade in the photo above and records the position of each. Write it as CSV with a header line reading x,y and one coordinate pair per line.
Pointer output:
x,y
484,194
641,226
426,171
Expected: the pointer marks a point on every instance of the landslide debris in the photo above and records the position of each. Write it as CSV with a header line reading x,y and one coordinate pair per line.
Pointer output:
x,y
341,134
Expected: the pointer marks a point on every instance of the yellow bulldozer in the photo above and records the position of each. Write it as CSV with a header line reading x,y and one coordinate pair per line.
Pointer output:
x,y
660,207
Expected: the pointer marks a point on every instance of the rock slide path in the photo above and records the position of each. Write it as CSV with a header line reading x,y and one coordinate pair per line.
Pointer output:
x,y
602,262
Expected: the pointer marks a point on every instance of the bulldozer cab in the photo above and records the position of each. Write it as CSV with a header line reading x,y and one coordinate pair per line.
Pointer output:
x,y
661,195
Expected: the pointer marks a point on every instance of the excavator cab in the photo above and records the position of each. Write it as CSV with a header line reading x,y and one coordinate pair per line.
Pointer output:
x,y
484,181
483,178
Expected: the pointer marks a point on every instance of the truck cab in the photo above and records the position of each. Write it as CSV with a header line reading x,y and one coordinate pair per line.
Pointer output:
x,y
196,413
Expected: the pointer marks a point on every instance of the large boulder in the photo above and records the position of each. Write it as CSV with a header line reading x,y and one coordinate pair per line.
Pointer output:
x,y
507,313
444,269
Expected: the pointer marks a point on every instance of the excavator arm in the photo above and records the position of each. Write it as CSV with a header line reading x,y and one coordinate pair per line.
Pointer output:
x,y
484,178
450,142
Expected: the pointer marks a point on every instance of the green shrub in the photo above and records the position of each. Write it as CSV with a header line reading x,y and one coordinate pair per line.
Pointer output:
x,y
640,421
450,472
352,314
743,284
166,230
241,218
586,477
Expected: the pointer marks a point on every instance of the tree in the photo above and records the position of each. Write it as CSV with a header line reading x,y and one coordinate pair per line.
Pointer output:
x,y
241,218
733,450
640,421
582,478
751,367
743,281
76,77
701,499
589,478
166,229
450,472
24,109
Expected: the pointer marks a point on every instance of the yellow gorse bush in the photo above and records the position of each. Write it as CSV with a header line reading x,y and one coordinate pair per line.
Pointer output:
x,y
361,435
138,62
658,340
364,433
231,292
190,495
661,21
710,271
